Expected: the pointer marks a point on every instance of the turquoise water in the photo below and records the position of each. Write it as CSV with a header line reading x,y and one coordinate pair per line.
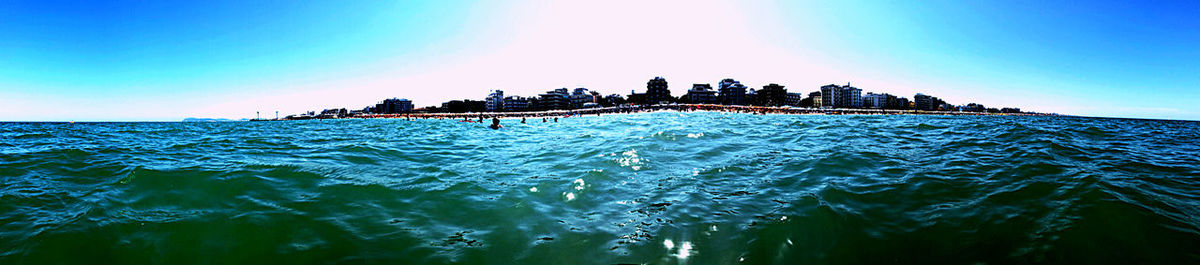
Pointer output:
x,y
662,188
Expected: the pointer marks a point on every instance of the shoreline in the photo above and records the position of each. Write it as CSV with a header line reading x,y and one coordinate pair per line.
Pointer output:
x,y
656,108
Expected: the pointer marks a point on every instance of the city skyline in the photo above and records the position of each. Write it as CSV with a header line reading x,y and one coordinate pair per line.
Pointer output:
x,y
228,59
772,95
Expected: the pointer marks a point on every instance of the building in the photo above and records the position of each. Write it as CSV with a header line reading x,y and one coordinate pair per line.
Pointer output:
x,y
534,103
773,95
612,100
636,98
494,101
581,96
751,96
466,105
922,102
927,102
875,101
554,99
794,99
596,99
333,113
972,107
831,96
813,100
731,92
392,106
700,94
516,103
852,97
939,104
657,92
900,103
834,96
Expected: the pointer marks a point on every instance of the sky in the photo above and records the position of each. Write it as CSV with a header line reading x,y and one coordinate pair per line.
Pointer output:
x,y
168,60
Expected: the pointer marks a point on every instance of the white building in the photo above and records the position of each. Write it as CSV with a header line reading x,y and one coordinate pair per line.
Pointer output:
x,y
494,101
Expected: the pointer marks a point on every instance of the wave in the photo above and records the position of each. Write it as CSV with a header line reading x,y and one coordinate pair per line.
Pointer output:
x,y
610,189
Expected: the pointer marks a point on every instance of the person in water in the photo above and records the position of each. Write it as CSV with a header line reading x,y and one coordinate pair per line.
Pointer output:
x,y
543,119
522,119
495,124
555,119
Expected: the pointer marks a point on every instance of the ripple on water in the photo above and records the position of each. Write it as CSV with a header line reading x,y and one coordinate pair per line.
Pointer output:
x,y
704,187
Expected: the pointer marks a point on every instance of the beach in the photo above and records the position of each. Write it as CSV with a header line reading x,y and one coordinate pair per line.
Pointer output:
x,y
668,107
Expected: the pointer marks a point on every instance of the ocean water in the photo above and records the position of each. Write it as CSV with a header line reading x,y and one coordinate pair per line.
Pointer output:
x,y
658,188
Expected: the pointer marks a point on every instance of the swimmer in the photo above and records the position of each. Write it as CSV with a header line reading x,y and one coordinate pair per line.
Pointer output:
x,y
555,119
522,119
495,124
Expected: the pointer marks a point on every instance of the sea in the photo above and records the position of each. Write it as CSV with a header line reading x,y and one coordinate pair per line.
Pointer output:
x,y
645,188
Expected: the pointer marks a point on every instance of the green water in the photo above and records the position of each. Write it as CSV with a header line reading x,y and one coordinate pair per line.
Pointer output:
x,y
659,188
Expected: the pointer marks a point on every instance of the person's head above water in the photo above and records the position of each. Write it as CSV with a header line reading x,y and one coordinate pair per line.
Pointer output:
x,y
495,123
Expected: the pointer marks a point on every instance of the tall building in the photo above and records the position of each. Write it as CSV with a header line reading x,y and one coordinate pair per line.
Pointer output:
x,y
831,96
731,92
700,94
922,102
851,97
555,99
834,96
581,96
772,95
393,105
657,92
516,103
495,101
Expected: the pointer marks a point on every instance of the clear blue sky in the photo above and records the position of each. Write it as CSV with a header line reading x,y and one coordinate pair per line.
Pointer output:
x,y
145,60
